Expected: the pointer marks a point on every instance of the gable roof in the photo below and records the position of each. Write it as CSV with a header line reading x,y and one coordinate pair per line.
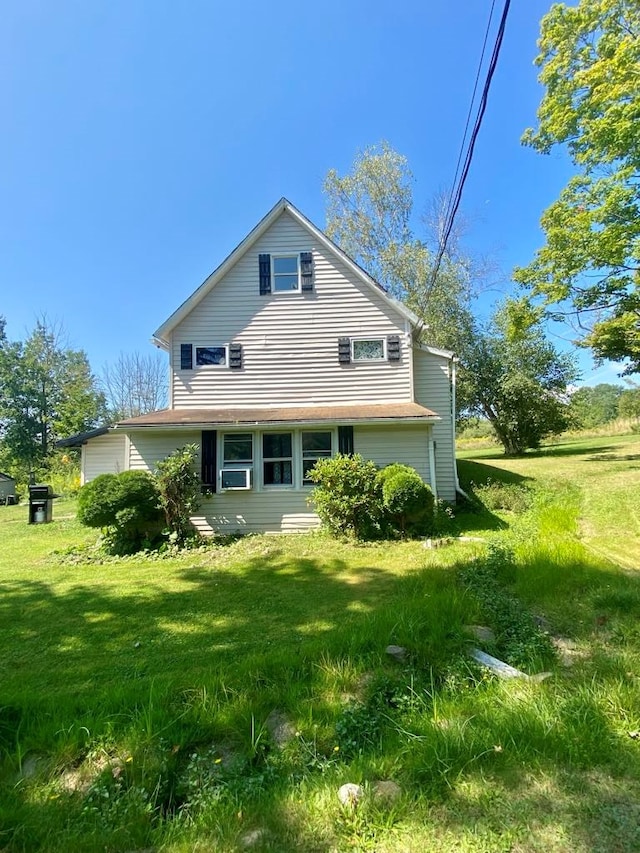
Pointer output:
x,y
6,478
160,335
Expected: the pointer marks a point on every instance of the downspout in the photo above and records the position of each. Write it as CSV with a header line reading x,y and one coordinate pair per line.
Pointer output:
x,y
459,488
432,465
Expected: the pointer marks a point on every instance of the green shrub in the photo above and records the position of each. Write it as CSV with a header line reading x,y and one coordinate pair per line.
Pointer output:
x,y
407,500
348,496
179,488
126,504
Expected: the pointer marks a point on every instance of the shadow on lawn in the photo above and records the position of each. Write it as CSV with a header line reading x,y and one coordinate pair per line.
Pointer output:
x,y
557,450
255,636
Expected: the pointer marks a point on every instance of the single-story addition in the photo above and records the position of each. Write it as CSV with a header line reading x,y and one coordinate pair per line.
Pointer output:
x,y
288,353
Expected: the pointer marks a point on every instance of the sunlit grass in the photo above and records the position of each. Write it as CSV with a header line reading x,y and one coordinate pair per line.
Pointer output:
x,y
155,681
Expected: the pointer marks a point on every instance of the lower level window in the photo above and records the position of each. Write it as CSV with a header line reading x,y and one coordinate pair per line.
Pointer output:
x,y
277,459
237,461
315,445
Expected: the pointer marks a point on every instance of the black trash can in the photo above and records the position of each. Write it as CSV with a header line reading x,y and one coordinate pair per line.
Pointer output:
x,y
40,504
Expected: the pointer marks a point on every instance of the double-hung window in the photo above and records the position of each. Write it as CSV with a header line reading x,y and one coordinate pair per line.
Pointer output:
x,y
286,273
316,445
237,460
277,459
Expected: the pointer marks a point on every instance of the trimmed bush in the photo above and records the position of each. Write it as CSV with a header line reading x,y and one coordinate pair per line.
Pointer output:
x,y
126,504
348,496
407,500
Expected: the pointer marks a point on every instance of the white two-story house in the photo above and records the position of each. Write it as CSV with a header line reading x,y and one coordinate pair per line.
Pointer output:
x,y
289,353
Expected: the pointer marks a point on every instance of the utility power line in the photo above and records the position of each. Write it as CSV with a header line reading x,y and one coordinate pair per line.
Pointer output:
x,y
458,185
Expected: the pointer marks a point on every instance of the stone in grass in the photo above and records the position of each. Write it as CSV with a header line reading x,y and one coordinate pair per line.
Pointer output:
x,y
386,791
31,766
481,633
350,794
437,543
253,838
280,728
397,653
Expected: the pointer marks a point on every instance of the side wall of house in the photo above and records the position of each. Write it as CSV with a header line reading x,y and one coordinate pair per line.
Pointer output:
x,y
278,509
105,454
289,340
432,384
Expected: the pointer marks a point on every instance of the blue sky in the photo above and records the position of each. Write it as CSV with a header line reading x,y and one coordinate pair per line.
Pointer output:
x,y
142,139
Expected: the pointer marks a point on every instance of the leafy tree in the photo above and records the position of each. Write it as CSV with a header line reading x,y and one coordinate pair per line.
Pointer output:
x,y
629,405
369,215
592,407
134,385
590,56
47,392
518,379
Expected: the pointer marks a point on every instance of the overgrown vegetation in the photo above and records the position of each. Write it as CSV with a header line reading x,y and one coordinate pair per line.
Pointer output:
x,y
179,488
226,694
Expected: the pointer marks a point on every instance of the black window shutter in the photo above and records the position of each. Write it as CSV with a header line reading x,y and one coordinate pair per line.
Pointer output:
x,y
393,347
186,357
306,271
235,356
344,350
209,474
345,440
264,266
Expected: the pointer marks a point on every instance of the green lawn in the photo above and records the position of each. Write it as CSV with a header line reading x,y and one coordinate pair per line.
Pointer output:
x,y
182,704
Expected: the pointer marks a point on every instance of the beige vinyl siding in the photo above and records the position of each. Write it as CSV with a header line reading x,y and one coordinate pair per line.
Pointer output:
x,y
432,386
290,340
276,511
105,454
387,444
149,448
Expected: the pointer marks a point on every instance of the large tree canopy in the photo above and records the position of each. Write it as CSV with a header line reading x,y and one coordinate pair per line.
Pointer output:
x,y
590,265
47,391
518,379
369,214
509,372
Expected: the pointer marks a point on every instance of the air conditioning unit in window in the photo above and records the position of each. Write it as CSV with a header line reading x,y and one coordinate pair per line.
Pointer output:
x,y
236,478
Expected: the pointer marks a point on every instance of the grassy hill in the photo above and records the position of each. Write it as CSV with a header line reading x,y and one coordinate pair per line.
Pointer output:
x,y
218,699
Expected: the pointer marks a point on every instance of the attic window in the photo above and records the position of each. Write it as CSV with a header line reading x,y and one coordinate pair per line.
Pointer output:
x,y
368,349
286,273
216,356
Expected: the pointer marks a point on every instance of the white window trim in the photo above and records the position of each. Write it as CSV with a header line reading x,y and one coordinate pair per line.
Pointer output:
x,y
334,445
236,464
294,477
298,289
382,338
258,484
197,366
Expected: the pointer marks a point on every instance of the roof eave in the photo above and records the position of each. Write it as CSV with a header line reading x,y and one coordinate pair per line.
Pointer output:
x,y
300,422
